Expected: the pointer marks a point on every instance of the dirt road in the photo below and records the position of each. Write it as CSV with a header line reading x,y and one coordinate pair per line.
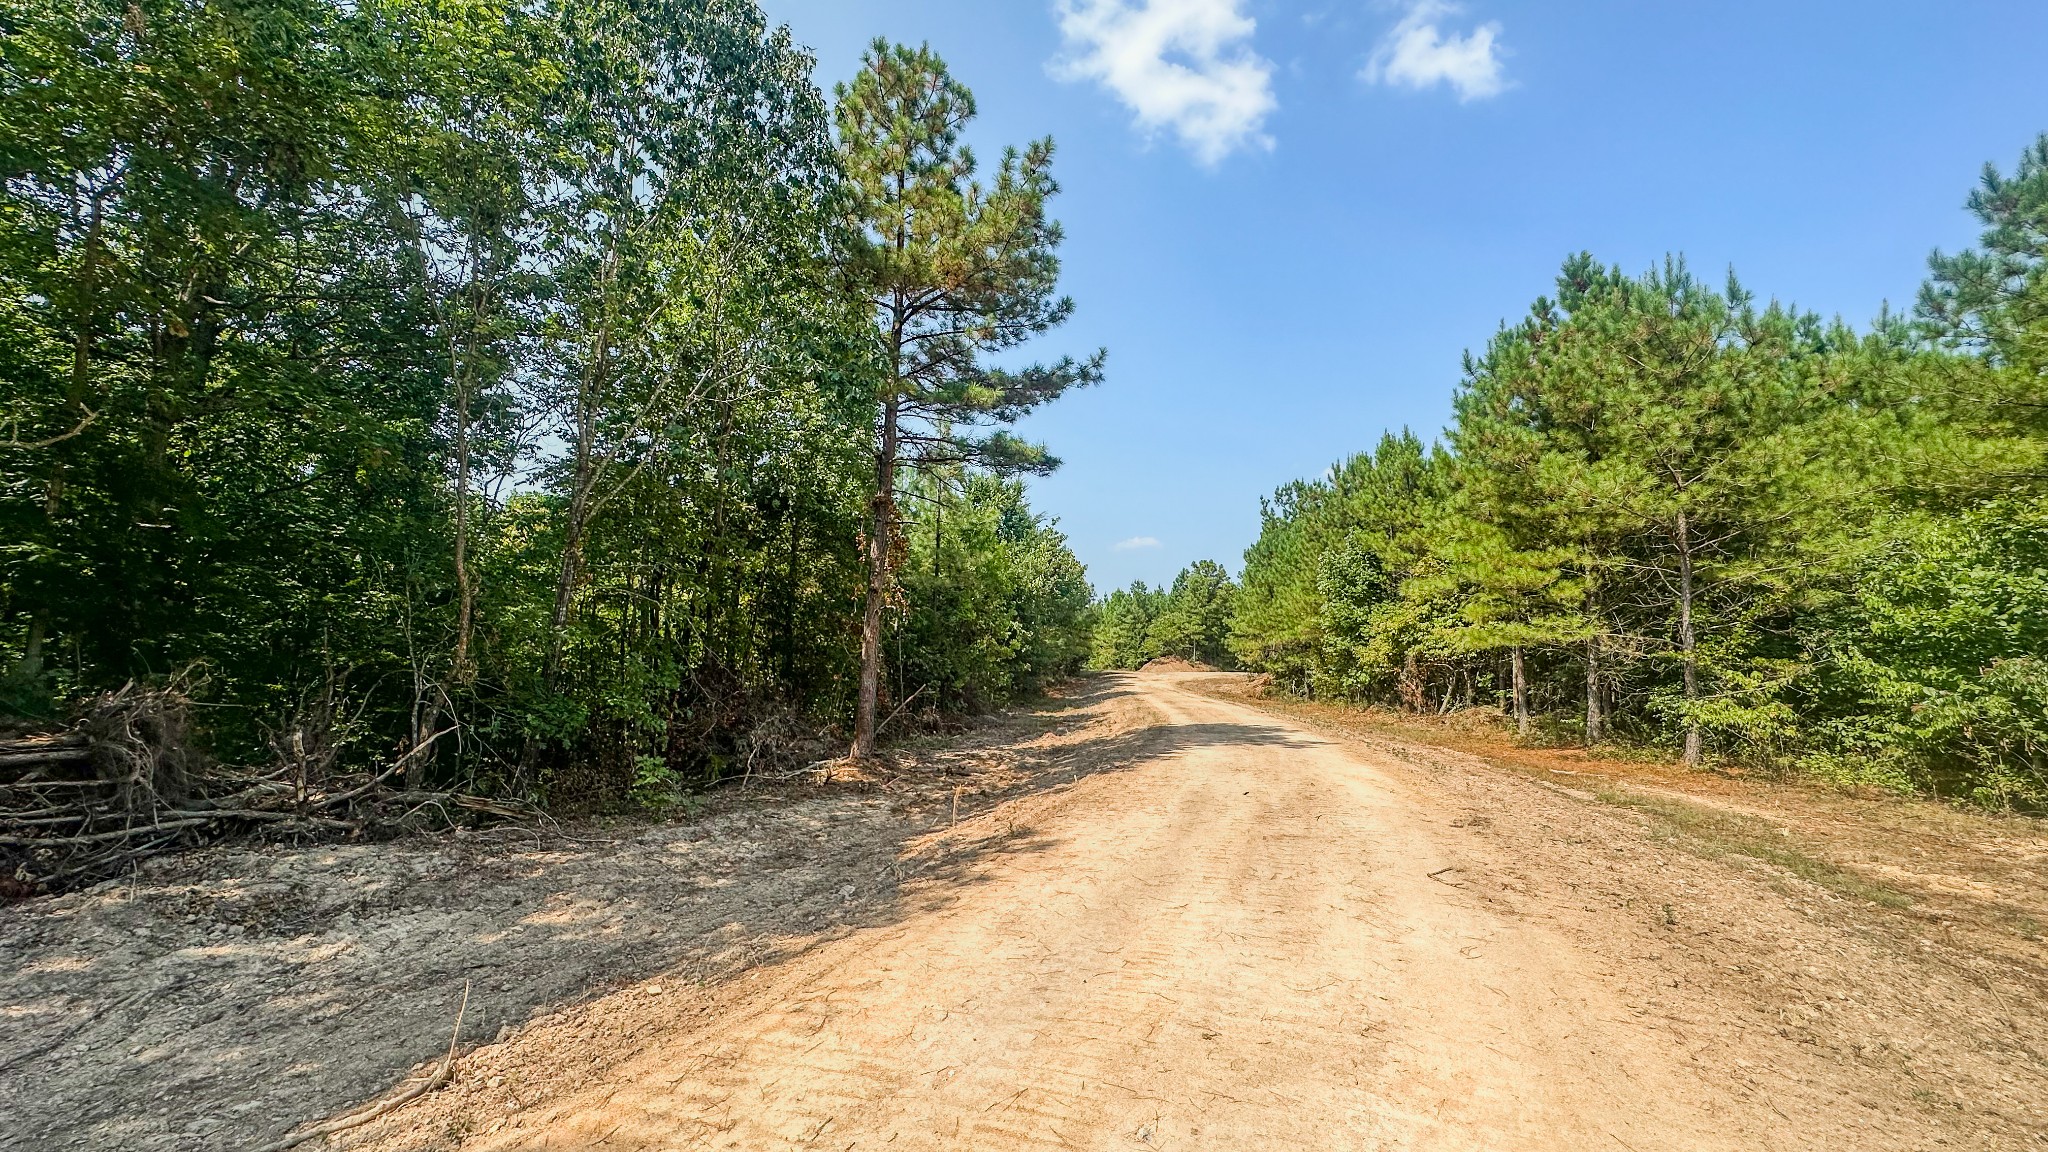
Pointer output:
x,y
1257,936
1148,913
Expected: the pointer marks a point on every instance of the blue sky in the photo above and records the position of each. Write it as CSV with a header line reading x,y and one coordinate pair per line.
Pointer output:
x,y
1287,219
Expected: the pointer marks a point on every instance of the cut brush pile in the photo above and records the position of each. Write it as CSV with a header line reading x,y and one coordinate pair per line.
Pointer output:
x,y
124,783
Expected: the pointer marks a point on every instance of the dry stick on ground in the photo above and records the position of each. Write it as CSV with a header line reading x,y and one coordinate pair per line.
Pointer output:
x,y
411,1094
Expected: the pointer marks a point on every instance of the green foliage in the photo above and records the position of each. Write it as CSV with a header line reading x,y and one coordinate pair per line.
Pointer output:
x,y
995,600
1320,606
1195,620
1931,663
1123,627
490,369
953,269
1995,297
1189,621
655,784
1700,523
949,271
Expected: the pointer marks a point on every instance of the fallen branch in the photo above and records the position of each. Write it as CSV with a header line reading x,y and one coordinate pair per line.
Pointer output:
x,y
66,831
489,807
55,754
98,837
125,784
385,1108
43,742
38,785
380,777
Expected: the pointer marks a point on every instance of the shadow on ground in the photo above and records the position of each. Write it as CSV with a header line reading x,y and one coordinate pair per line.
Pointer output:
x,y
228,996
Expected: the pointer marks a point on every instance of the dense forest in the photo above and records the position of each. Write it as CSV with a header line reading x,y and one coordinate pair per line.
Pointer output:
x,y
1680,518
567,400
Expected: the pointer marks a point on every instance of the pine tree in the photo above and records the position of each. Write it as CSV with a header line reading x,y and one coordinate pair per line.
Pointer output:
x,y
1995,297
953,270
1511,595
1123,627
1196,616
1664,429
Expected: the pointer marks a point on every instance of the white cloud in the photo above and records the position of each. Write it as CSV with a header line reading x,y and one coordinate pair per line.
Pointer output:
x,y
1418,53
1137,542
1180,64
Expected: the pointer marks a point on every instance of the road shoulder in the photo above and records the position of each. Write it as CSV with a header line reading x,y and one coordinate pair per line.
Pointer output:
x,y
1770,927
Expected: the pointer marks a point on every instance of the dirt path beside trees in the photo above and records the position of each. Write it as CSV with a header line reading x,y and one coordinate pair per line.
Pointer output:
x,y
1164,919
217,999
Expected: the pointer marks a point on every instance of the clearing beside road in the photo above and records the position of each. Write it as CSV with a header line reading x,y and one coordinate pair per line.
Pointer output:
x,y
1167,917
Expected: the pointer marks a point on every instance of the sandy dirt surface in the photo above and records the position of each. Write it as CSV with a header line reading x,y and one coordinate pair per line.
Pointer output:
x,y
218,999
1260,934
1165,918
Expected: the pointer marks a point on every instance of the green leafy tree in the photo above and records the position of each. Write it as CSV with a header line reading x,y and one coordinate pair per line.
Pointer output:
x,y
483,384
1928,673
464,179
995,601
1277,621
1510,596
216,398
1319,605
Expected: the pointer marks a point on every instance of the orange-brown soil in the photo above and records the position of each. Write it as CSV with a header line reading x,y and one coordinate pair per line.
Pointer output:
x,y
1155,913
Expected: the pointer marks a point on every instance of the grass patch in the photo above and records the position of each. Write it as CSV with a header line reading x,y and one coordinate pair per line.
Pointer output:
x,y
1715,835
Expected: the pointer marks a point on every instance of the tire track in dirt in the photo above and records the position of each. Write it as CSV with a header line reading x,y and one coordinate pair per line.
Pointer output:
x,y
1254,937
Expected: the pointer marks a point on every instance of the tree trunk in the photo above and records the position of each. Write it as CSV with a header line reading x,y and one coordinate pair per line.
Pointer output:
x,y
31,666
465,596
1595,722
571,567
1413,697
595,377
465,601
1688,645
881,524
30,669
789,604
1521,694
579,509
426,712
882,514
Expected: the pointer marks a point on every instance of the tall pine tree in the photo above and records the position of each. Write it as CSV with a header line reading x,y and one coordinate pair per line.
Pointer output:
x,y
953,270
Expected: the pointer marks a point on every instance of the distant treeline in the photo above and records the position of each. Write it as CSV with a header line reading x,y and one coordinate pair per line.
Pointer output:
x,y
1679,518
1189,621
508,387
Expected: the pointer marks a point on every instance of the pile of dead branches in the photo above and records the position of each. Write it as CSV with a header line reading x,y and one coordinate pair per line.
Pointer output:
x,y
125,782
